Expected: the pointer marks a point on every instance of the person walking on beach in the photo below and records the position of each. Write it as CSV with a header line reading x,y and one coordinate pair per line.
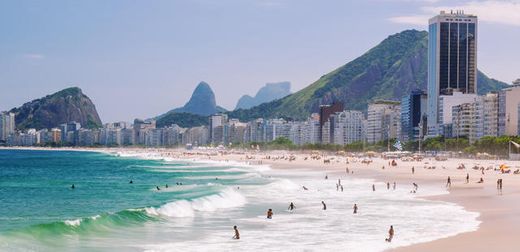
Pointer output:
x,y
355,208
237,234
390,234
467,178
393,188
413,170
291,206
341,188
387,185
448,182
324,206
373,187
270,213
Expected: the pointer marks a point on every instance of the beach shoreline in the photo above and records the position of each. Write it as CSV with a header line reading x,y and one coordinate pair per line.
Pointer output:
x,y
498,213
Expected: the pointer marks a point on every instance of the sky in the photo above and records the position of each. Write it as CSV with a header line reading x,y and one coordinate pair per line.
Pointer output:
x,y
139,59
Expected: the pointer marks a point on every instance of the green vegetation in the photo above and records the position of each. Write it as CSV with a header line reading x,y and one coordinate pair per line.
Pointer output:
x,y
185,120
492,145
388,71
488,144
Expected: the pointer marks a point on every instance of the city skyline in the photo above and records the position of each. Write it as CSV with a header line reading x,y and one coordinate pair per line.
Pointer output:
x,y
137,51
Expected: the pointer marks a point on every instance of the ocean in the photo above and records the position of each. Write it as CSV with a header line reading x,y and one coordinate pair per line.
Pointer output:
x,y
40,211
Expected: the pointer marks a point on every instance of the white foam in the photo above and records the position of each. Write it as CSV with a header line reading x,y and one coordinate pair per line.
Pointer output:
x,y
73,223
228,198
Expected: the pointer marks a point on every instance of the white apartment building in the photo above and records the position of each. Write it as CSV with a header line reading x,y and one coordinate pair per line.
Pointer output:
x,y
383,121
348,127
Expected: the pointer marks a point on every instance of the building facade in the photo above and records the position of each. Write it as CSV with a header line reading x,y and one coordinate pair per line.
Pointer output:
x,y
452,60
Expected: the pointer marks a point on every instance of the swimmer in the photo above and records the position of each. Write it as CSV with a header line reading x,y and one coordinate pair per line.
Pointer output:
x,y
237,234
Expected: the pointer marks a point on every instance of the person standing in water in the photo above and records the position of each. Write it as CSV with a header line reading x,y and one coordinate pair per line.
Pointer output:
x,y
393,188
72,187
373,187
467,178
237,234
355,208
387,185
270,213
448,182
413,170
291,206
390,234
324,206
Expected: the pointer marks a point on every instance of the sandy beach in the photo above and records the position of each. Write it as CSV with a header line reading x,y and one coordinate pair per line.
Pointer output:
x,y
500,222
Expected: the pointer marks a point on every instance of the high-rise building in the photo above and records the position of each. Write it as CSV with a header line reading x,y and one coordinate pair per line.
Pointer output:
x,y
325,128
348,127
452,60
218,128
445,109
508,101
7,125
140,129
383,121
413,112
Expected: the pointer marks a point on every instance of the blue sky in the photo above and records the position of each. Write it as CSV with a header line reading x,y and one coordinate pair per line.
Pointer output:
x,y
143,58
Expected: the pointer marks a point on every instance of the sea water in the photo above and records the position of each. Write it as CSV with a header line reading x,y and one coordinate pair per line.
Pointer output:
x,y
40,211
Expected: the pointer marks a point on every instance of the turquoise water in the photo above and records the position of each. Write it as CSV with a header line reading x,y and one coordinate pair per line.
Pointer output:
x,y
39,206
40,211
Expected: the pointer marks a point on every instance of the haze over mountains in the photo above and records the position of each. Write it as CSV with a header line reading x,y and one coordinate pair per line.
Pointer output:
x,y
269,92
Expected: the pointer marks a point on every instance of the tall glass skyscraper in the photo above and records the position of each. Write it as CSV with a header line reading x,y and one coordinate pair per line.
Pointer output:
x,y
452,60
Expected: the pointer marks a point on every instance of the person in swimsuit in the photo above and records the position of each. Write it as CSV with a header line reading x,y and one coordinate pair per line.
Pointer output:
x,y
237,234
390,234
270,213
355,208
291,206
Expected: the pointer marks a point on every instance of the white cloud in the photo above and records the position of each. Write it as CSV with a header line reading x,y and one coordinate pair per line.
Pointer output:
x,y
490,11
33,56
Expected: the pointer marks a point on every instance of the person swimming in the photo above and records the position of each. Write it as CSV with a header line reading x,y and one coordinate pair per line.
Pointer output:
x,y
131,182
166,186
305,188
390,234
158,189
291,206
72,187
270,213
237,234
324,206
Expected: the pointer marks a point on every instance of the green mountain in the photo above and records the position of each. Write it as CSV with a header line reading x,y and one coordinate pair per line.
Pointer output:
x,y
388,71
61,107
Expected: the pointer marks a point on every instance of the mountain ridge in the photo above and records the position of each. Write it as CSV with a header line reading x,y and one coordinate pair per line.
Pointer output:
x,y
267,93
389,70
64,106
